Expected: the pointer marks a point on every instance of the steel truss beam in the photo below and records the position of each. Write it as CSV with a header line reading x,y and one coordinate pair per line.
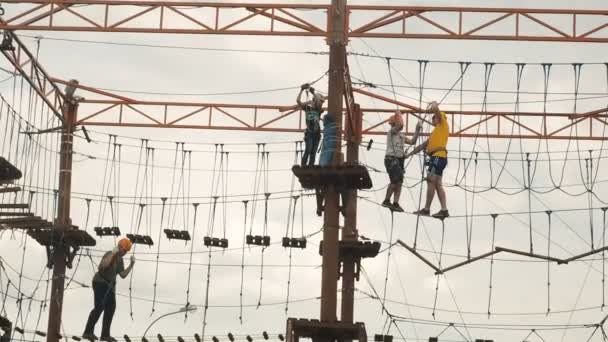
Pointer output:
x,y
364,21
33,73
101,108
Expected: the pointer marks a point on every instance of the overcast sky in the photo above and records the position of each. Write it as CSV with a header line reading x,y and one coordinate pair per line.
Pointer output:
x,y
519,298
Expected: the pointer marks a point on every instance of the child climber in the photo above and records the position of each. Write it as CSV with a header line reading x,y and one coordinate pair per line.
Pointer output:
x,y
395,158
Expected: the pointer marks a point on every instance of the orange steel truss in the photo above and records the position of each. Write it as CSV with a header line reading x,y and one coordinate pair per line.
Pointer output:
x,y
364,21
26,65
101,108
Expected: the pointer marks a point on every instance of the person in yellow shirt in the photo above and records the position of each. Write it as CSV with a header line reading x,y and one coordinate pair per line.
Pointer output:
x,y
436,149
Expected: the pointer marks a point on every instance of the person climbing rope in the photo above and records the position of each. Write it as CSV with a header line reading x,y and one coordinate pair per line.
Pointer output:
x,y
312,134
394,159
104,284
435,149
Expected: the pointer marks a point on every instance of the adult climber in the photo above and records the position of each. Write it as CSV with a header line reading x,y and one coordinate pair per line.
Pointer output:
x,y
104,289
394,159
312,133
436,150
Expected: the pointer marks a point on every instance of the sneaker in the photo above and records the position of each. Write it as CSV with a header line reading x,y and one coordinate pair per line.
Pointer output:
x,y
423,212
108,339
397,207
90,337
441,214
387,204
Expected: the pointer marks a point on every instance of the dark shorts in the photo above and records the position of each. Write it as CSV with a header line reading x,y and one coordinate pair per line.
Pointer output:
x,y
395,169
437,165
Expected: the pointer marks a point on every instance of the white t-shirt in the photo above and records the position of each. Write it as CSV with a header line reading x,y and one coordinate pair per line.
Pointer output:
x,y
395,143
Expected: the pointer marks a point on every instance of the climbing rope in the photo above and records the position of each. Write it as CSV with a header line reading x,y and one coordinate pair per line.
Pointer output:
x,y
490,287
439,266
160,230
245,202
195,205
549,262
388,258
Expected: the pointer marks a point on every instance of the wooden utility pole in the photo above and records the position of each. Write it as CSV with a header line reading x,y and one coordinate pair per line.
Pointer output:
x,y
63,222
350,233
336,39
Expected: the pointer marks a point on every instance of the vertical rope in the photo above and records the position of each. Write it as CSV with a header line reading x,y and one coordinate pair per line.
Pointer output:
x,y
488,74
490,287
388,258
195,205
603,258
162,218
293,219
589,173
206,308
245,202
470,228
439,266
529,188
549,263
421,78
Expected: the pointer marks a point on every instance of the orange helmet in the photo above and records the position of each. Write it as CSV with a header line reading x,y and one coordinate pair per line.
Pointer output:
x,y
125,244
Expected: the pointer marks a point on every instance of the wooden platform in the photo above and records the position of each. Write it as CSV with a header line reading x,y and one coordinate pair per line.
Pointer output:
x,y
14,214
346,176
70,237
14,206
8,172
9,189
356,249
304,328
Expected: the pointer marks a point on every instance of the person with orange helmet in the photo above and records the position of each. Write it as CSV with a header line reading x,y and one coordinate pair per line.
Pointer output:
x,y
394,159
104,284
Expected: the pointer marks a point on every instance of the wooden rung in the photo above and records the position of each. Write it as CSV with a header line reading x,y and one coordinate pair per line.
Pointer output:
x,y
9,189
31,225
14,206
21,219
15,213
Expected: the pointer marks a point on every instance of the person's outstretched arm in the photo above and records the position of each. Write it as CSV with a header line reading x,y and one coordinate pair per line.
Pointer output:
x,y
124,273
414,139
417,149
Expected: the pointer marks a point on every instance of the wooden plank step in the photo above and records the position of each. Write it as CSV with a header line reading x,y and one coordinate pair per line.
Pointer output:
x,y
8,189
30,225
14,206
8,171
71,237
21,219
15,213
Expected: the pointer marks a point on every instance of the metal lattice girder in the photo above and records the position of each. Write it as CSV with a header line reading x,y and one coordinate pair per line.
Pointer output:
x,y
365,21
106,109
29,68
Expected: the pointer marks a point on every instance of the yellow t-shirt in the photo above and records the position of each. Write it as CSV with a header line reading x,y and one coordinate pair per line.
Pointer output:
x,y
439,138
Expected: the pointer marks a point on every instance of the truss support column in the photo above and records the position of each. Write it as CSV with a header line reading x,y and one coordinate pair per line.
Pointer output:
x,y
336,39
63,221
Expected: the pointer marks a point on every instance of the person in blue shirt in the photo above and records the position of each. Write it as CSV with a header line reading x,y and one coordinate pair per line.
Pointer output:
x,y
312,133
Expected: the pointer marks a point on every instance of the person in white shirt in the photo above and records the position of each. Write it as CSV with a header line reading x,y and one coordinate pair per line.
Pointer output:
x,y
394,159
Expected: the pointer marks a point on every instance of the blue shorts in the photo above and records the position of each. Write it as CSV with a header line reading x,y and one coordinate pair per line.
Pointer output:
x,y
437,165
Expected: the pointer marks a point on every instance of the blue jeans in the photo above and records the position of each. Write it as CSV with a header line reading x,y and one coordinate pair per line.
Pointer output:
x,y
311,144
105,301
